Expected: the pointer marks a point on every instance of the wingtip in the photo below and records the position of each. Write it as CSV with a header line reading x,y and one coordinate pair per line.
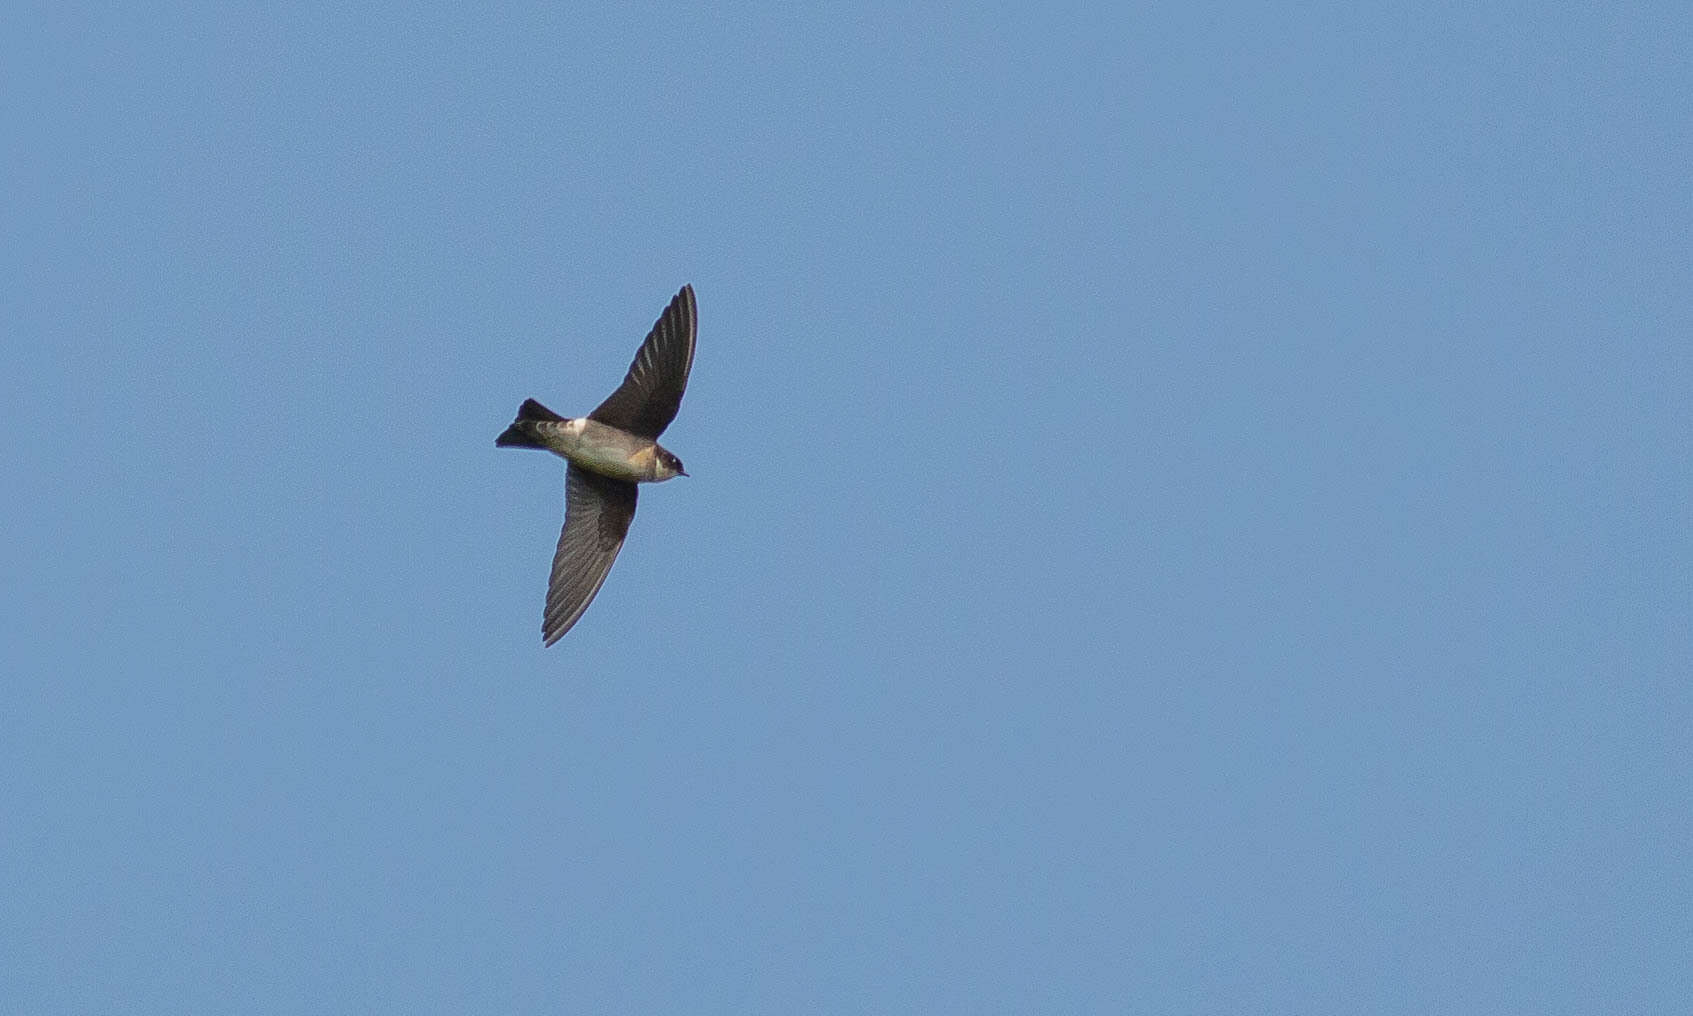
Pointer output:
x,y
552,630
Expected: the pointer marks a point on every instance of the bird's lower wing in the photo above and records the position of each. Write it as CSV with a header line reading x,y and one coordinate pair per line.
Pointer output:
x,y
597,513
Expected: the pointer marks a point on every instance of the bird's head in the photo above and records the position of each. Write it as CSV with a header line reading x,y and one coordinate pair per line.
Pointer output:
x,y
667,466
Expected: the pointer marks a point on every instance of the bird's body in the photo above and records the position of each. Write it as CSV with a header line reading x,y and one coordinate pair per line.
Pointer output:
x,y
605,450
610,450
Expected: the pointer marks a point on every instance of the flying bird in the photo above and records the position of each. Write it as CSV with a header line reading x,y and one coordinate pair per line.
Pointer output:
x,y
610,450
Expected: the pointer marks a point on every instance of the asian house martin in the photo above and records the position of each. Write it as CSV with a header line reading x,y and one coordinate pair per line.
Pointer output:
x,y
610,450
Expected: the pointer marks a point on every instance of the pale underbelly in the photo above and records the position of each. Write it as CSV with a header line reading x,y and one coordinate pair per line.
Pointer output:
x,y
617,463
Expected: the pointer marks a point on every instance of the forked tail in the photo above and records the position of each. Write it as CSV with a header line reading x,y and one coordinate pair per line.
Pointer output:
x,y
521,433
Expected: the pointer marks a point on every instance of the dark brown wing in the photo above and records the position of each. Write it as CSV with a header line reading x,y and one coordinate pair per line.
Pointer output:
x,y
646,402
597,512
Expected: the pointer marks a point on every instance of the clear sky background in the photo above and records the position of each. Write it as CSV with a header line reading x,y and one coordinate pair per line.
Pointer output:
x,y
1190,509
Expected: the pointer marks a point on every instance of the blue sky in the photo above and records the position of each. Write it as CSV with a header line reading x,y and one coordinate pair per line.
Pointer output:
x,y
1190,510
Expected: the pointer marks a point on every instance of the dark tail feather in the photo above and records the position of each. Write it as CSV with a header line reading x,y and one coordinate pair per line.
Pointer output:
x,y
532,410
520,434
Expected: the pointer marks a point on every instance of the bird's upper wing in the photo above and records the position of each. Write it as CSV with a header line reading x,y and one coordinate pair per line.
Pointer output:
x,y
597,512
646,401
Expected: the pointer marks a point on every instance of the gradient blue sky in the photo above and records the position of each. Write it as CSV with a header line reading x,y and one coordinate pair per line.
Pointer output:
x,y
1190,509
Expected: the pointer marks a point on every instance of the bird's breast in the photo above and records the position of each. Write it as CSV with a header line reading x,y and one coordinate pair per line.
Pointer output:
x,y
605,450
